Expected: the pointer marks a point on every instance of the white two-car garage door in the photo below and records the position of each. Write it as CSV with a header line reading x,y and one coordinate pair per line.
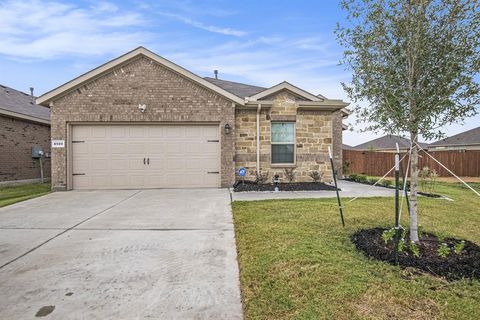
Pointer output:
x,y
145,156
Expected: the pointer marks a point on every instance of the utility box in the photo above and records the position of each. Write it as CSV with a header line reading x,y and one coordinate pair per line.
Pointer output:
x,y
37,152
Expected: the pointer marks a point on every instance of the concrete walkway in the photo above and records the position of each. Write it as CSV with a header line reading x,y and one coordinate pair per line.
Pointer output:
x,y
349,190
125,254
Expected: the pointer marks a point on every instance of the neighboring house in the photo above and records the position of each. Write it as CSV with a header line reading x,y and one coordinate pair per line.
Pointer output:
x,y
23,125
387,143
141,121
468,140
347,147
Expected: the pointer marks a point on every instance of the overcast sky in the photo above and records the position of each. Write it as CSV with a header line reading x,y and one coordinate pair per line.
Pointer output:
x,y
46,43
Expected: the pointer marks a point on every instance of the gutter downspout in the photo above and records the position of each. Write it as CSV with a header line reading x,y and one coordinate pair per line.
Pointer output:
x,y
259,108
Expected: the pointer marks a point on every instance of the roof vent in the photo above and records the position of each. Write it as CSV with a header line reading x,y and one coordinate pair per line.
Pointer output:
x,y
215,72
31,96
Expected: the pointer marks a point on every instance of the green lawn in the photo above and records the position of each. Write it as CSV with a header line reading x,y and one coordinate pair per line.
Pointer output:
x,y
13,194
297,262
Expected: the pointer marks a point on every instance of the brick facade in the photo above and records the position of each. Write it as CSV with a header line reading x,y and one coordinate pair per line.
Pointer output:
x,y
16,140
314,130
115,96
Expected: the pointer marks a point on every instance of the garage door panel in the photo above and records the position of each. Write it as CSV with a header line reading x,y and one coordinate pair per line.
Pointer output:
x,y
119,181
119,164
136,148
156,131
80,149
112,156
99,132
99,149
136,164
100,181
118,131
99,164
136,131
119,149
81,132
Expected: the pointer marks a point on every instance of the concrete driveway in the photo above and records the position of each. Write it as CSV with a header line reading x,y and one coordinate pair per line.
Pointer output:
x,y
124,254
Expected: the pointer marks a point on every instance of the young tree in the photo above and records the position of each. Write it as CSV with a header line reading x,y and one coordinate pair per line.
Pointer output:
x,y
416,63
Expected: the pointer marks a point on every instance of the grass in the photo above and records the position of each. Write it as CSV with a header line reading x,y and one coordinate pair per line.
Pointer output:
x,y
297,262
13,194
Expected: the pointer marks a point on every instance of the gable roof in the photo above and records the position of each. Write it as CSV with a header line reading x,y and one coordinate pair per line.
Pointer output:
x,y
469,137
285,86
18,104
241,90
50,96
387,142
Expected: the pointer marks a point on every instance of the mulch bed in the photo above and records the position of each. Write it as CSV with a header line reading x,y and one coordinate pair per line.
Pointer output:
x,y
240,186
453,267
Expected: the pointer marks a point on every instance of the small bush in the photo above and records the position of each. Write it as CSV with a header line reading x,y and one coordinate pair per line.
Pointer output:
x,y
443,250
289,174
316,176
346,167
459,247
362,178
353,177
414,249
387,183
372,180
261,177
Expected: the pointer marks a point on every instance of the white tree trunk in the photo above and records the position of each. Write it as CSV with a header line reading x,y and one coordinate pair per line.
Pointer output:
x,y
413,190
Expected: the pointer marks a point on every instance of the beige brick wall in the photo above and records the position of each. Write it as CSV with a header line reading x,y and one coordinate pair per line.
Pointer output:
x,y
313,136
17,137
115,97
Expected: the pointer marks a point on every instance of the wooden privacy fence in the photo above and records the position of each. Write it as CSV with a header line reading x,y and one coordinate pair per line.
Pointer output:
x,y
464,163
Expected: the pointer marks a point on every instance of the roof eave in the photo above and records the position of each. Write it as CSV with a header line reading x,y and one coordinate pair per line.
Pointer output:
x,y
285,86
23,116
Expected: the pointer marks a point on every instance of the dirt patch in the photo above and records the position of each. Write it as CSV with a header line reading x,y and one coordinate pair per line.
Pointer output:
x,y
240,186
454,266
44,311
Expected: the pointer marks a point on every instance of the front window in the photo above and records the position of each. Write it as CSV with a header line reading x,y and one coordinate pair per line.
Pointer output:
x,y
283,143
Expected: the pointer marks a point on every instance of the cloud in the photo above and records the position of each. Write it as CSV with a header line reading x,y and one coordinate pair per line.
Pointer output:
x,y
268,60
47,30
200,25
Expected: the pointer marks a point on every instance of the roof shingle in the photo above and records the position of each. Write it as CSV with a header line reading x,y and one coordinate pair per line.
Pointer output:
x,y
469,137
241,90
16,101
387,142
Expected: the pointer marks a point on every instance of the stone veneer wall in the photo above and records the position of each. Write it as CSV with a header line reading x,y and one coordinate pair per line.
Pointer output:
x,y
313,136
115,96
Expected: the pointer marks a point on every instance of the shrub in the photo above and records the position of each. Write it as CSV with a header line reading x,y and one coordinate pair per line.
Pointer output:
x,y
414,249
387,183
261,177
459,247
346,167
316,176
289,174
372,180
353,177
362,178
443,250
388,235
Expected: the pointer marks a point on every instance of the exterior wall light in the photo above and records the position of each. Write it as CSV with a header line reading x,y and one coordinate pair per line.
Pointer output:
x,y
228,128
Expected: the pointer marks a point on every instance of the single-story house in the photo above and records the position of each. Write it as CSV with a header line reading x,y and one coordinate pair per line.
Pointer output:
x,y
387,143
141,121
23,125
468,140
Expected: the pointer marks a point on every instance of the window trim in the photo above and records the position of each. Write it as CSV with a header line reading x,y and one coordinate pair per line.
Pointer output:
x,y
284,164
